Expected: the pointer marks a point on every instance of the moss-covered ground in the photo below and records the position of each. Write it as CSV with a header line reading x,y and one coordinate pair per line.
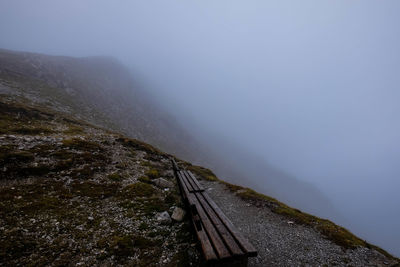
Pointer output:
x,y
73,194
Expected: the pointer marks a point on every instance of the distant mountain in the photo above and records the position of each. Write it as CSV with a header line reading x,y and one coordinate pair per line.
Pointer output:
x,y
99,90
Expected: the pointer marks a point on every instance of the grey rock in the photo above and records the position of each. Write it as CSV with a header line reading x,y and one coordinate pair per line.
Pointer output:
x,y
178,214
162,183
163,217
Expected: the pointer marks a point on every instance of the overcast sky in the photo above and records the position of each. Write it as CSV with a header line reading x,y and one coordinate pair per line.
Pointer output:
x,y
310,86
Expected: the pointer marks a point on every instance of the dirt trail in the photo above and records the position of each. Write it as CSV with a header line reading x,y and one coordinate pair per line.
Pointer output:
x,y
281,242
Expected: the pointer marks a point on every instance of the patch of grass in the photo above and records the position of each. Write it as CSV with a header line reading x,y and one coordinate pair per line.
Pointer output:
x,y
115,177
152,157
22,119
172,198
234,188
31,130
15,245
22,112
90,162
15,156
6,149
139,145
146,164
182,259
139,189
80,158
152,205
59,154
84,172
63,165
152,173
121,165
132,153
142,242
143,206
38,170
43,150
202,172
80,144
133,206
123,245
143,226
74,129
42,196
94,190
155,169
19,164
144,179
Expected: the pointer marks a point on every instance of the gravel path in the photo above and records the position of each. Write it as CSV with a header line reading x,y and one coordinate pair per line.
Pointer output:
x,y
281,242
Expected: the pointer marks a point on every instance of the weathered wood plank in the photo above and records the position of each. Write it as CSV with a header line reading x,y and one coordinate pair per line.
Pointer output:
x,y
205,241
174,164
208,250
243,242
218,243
181,186
201,188
192,187
229,241
187,183
195,186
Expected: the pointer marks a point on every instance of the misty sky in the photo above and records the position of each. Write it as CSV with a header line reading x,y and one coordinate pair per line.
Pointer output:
x,y
310,86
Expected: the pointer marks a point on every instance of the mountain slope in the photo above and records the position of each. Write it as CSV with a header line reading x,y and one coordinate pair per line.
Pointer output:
x,y
74,193
101,91
97,89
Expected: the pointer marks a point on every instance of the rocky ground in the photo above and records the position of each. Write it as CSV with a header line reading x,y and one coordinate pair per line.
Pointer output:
x,y
282,240
73,194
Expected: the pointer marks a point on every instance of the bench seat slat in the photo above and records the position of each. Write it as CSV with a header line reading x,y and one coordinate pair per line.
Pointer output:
x,y
187,183
195,186
230,242
174,165
192,185
181,184
205,241
195,180
244,243
210,229
208,250
212,233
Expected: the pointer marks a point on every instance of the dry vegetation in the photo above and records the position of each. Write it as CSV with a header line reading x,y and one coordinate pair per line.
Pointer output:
x,y
73,194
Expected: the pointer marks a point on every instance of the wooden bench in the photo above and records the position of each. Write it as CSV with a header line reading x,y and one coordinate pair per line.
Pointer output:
x,y
221,242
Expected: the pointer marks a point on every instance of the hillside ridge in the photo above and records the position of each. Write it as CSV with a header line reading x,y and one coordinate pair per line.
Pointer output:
x,y
75,189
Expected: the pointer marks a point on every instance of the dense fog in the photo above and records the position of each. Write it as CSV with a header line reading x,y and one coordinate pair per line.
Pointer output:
x,y
308,87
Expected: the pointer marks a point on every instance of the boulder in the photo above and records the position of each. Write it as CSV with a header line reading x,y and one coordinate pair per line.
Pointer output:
x,y
163,217
178,214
